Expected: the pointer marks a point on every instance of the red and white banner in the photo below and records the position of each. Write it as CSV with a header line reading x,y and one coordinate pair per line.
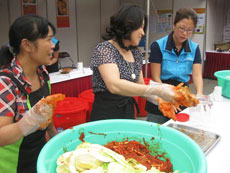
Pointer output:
x,y
62,13
29,6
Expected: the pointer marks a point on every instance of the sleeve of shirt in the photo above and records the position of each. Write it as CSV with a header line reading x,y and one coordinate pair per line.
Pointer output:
x,y
155,54
7,98
102,55
197,59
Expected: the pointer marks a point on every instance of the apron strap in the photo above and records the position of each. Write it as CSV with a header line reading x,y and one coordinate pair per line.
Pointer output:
x,y
127,100
48,82
46,79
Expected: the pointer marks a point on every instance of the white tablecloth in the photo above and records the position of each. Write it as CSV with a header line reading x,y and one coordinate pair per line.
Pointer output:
x,y
214,51
58,77
218,159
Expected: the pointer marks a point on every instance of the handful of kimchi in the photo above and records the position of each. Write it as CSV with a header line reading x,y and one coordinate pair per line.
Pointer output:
x,y
183,97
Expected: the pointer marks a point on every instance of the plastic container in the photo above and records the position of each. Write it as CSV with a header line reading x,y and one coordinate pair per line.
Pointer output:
x,y
88,96
201,116
217,93
223,78
184,153
70,112
182,117
142,101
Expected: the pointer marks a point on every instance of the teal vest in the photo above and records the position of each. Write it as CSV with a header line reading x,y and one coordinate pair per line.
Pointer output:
x,y
173,66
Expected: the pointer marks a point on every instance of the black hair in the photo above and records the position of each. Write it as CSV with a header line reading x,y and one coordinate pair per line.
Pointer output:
x,y
128,19
31,27
186,13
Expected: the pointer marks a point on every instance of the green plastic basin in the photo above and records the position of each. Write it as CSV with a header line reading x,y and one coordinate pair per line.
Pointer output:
x,y
223,79
184,153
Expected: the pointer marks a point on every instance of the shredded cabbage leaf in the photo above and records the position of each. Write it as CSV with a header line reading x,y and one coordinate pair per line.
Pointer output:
x,y
95,158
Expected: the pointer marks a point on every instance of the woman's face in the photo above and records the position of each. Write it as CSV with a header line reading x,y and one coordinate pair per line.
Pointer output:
x,y
136,35
182,30
43,50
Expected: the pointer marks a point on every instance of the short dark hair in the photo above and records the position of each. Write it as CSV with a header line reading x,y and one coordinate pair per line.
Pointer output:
x,y
128,19
186,13
31,27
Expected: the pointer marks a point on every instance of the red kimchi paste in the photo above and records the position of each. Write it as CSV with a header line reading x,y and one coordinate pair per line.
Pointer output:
x,y
139,152
82,136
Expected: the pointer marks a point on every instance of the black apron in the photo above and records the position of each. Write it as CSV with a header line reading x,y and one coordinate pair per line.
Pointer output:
x,y
152,108
32,144
113,106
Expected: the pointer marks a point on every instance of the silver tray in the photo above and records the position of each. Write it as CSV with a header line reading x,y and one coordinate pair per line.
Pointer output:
x,y
206,140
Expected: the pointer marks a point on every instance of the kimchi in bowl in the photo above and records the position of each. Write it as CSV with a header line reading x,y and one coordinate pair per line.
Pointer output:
x,y
184,154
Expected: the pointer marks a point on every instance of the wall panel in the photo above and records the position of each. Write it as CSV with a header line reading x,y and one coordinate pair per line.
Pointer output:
x,y
4,22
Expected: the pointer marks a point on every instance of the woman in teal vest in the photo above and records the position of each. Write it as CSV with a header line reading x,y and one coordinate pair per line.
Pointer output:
x,y
174,57
23,82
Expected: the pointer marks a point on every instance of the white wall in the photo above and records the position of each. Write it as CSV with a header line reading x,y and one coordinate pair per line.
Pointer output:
x,y
68,35
108,8
89,18
216,16
154,6
174,6
198,38
4,22
88,28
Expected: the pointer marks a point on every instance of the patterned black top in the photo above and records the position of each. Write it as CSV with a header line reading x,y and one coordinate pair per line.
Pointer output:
x,y
106,53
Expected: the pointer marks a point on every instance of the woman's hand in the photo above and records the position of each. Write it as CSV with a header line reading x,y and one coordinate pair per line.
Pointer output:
x,y
34,118
153,99
161,90
39,116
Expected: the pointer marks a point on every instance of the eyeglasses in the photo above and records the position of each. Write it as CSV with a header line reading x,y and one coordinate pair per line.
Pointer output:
x,y
182,30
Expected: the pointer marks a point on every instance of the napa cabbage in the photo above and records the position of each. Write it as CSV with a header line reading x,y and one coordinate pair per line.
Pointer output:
x,y
95,158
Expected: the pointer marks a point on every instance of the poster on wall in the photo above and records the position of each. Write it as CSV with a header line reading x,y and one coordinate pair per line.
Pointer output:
x,y
29,7
164,21
62,12
200,27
